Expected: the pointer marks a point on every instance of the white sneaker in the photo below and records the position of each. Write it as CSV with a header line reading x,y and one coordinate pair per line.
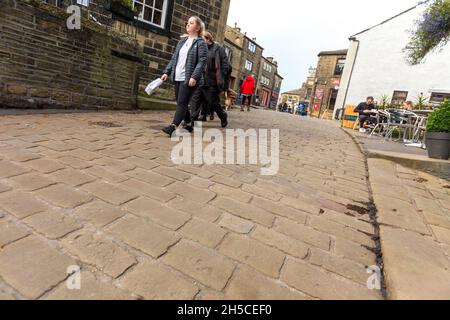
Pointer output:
x,y
362,130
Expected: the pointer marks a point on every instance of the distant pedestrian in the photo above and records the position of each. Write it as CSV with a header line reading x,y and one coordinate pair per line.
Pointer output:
x,y
247,90
208,94
364,109
186,71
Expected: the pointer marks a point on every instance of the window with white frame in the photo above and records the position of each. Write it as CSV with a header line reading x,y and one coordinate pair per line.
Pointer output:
x,y
252,47
83,2
277,83
267,67
151,11
437,98
265,81
399,97
339,67
248,65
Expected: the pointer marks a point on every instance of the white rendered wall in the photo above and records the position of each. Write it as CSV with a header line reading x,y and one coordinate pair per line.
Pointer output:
x,y
380,67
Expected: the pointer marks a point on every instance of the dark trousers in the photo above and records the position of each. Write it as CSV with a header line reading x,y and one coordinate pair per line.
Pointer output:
x,y
208,98
183,95
368,119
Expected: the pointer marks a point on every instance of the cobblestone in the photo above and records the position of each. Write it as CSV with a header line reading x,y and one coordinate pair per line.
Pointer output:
x,y
141,227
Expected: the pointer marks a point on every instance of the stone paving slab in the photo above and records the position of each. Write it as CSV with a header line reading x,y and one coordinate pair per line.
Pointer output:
x,y
416,266
110,201
414,231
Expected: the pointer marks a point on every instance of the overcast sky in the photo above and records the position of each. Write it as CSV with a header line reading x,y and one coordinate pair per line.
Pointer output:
x,y
295,31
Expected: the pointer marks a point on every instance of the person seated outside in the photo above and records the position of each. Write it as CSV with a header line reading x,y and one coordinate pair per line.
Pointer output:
x,y
364,109
407,105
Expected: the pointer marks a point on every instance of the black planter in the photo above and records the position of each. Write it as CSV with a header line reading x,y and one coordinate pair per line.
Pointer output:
x,y
120,10
438,145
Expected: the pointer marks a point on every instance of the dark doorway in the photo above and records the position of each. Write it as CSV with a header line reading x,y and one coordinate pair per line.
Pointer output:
x,y
333,98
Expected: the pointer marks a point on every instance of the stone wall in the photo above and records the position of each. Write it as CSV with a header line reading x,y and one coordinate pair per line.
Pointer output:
x,y
45,65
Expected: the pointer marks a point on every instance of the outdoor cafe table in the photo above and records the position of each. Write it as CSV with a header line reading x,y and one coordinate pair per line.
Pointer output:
x,y
423,112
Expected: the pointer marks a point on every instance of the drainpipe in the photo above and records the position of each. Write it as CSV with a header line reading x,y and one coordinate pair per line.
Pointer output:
x,y
351,71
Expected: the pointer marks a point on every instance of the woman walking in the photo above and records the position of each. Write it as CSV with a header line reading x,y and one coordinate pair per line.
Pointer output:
x,y
247,90
186,70
208,94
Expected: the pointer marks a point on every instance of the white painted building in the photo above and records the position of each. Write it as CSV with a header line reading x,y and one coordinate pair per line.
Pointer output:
x,y
376,65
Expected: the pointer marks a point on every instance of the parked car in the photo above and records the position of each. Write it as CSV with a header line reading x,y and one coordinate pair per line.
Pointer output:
x,y
302,108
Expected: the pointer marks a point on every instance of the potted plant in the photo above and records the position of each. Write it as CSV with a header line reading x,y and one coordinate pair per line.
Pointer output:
x,y
421,102
384,102
121,8
438,133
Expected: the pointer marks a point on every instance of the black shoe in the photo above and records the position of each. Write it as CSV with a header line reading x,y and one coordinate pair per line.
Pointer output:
x,y
189,128
211,117
169,130
203,119
225,122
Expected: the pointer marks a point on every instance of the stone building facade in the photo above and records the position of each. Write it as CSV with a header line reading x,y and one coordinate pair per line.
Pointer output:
x,y
327,81
308,85
246,57
45,65
106,63
292,98
249,56
233,45
267,81
276,90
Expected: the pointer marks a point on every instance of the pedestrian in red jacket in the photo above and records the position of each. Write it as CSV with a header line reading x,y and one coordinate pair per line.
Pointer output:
x,y
247,90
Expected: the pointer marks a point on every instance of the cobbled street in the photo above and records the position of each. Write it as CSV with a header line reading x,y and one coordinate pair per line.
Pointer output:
x,y
99,191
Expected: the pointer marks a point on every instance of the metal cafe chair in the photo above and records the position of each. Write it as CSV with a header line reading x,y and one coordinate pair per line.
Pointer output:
x,y
418,135
382,123
399,121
